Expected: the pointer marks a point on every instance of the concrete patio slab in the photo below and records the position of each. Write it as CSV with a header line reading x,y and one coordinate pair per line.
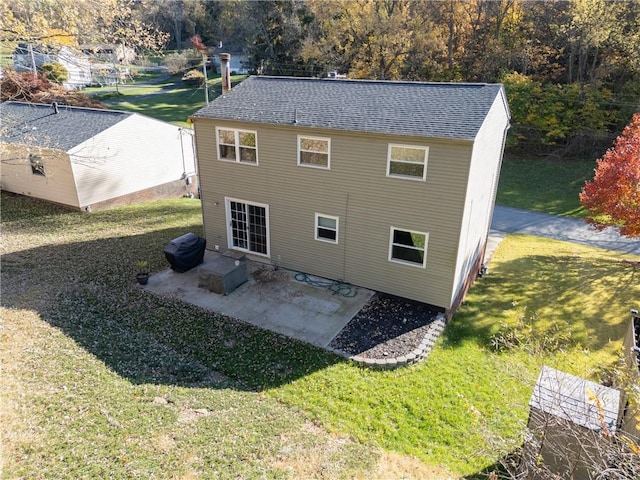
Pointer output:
x,y
271,299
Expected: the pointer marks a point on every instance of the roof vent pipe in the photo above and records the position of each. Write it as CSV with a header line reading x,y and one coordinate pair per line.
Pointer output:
x,y
54,105
225,74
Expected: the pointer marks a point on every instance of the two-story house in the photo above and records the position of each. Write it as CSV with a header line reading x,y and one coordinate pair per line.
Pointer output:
x,y
384,185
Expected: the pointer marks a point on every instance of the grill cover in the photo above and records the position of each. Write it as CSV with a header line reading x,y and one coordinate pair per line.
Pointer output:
x,y
185,252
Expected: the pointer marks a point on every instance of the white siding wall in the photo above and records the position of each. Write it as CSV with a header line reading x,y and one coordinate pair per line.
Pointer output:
x,y
56,186
480,196
133,155
355,189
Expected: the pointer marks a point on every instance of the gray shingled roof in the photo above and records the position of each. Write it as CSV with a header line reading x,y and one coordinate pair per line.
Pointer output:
x,y
39,125
442,110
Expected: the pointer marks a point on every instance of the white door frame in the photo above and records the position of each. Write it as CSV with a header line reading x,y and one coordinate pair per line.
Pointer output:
x,y
248,234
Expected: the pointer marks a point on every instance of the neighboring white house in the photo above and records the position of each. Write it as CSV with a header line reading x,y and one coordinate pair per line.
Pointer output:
x,y
236,64
91,159
77,63
109,53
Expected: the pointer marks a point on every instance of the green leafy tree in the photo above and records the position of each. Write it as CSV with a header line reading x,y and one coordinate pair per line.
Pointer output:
x,y
546,115
277,36
368,38
54,72
599,36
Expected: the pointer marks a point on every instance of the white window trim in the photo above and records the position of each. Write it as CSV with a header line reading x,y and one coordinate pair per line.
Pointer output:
x,y
317,225
322,167
404,262
236,132
408,177
227,210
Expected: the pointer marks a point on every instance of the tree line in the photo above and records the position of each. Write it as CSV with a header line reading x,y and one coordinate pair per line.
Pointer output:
x,y
571,68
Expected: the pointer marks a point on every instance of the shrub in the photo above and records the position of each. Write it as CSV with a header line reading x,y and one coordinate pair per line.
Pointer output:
x,y
24,87
54,72
193,78
176,62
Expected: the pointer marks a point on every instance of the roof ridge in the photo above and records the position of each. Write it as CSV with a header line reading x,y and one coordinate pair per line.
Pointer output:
x,y
370,81
67,107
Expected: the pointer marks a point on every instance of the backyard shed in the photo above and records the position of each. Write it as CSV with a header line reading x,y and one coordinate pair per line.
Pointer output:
x,y
572,419
631,347
90,158
385,185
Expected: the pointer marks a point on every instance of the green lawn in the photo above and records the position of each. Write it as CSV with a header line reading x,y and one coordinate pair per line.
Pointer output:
x,y
101,379
544,184
169,101
140,76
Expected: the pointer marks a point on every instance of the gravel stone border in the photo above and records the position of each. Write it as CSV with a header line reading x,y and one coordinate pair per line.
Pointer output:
x,y
389,332
414,356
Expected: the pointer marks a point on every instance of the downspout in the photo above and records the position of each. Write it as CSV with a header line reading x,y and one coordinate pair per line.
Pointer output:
x,y
185,174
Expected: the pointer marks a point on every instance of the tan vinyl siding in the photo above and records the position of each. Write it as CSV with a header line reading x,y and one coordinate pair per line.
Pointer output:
x,y
133,155
56,186
355,189
483,176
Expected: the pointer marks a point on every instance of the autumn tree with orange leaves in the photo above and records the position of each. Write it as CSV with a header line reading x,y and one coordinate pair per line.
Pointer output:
x,y
612,198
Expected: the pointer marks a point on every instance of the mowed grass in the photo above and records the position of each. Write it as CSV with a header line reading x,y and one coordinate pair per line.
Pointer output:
x,y
102,379
544,184
169,101
466,402
140,76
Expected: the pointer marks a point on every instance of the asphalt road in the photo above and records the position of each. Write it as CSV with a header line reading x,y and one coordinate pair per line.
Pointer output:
x,y
513,220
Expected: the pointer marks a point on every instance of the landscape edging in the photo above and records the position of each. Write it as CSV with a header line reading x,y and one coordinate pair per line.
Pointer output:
x,y
416,355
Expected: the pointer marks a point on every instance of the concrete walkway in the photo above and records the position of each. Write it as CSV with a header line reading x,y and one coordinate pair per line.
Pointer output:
x,y
513,220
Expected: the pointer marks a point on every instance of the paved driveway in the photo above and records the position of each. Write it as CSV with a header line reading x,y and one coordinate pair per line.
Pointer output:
x,y
513,220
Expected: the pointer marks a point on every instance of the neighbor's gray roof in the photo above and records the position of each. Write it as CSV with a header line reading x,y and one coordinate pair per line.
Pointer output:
x,y
38,124
573,398
442,110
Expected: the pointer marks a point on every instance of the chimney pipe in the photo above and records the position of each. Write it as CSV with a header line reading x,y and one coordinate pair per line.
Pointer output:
x,y
225,73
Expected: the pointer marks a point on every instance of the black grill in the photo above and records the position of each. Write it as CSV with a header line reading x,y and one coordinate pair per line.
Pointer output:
x,y
185,252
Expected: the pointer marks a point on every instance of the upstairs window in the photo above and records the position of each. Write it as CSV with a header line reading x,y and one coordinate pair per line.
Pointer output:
x,y
408,247
37,166
406,161
237,145
314,152
326,228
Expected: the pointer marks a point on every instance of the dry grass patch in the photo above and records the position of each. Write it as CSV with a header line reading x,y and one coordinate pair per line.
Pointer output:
x,y
101,380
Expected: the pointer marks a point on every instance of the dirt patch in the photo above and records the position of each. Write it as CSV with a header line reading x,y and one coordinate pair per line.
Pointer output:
x,y
396,466
266,274
312,453
187,414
